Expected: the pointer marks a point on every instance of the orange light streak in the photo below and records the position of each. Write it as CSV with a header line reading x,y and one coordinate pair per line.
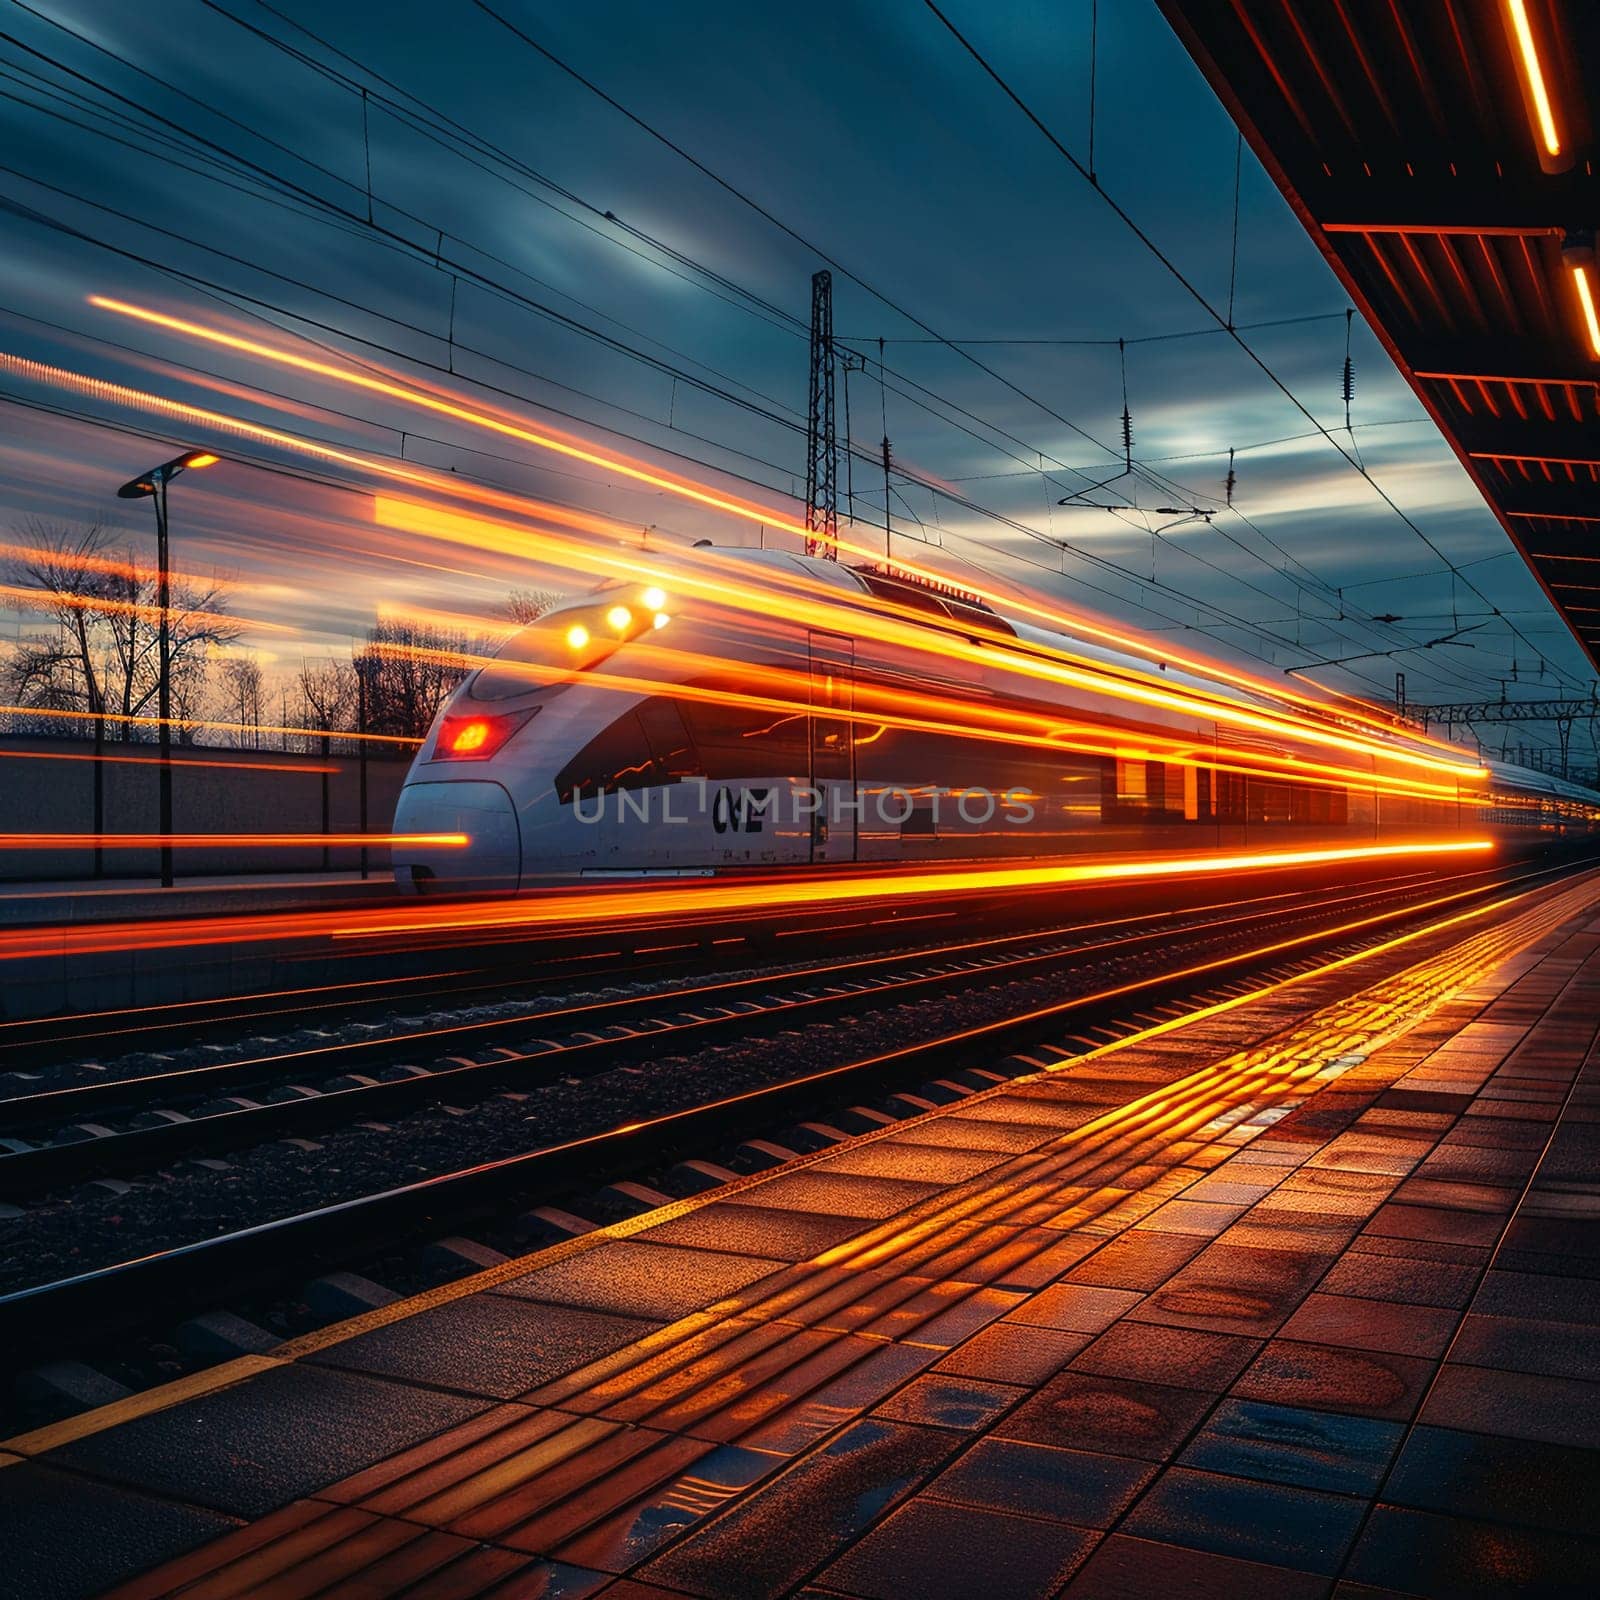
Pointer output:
x,y
589,908
667,898
784,693
201,722
749,511
155,761
447,621
142,400
220,841
24,598
111,568
994,650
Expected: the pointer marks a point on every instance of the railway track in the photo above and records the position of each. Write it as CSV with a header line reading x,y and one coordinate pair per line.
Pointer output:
x,y
259,1260
71,1134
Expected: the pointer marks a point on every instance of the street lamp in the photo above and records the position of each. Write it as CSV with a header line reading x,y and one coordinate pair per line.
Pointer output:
x,y
154,484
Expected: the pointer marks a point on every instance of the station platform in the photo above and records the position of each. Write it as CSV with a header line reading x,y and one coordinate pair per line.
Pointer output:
x,y
1294,1298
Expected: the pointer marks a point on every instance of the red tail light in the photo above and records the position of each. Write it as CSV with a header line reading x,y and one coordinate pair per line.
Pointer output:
x,y
475,737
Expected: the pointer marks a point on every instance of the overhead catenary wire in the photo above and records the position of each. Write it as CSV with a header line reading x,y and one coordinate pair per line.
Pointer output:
x,y
980,510
1287,556
1188,286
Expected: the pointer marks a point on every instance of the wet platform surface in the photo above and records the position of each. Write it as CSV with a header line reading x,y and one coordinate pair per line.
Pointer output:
x,y
1298,1299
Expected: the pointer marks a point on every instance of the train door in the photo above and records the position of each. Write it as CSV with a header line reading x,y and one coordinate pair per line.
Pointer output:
x,y
833,825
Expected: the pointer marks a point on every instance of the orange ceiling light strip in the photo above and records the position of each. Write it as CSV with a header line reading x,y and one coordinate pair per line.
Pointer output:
x,y
1533,77
1591,323
747,510
222,841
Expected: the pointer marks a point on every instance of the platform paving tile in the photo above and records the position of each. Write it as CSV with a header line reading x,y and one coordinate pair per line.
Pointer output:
x,y
1118,1416
863,1383
917,1163
69,1538
1518,1405
941,1400
972,1133
1529,1344
1013,1353
487,1344
1006,1257
1334,1378
627,1278
1303,1529
836,1194
353,1552
1381,1325
1178,1356
1142,1258
1325,1450
1498,1479
770,1231
768,1541
1082,1487
1231,1288
1461,1558
274,1438
1125,1568
812,1417
939,1551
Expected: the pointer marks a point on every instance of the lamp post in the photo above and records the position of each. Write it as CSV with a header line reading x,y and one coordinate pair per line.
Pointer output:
x,y
154,485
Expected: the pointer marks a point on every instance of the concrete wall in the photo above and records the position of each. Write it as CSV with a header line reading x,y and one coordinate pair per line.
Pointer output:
x,y
47,786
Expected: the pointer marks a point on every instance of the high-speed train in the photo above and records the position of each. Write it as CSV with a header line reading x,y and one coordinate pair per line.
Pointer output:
x,y
771,711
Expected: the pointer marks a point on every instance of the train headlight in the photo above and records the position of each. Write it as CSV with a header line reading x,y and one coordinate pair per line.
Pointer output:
x,y
654,599
577,636
619,617
660,620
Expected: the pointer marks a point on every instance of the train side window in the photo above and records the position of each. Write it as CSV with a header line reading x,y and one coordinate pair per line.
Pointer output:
x,y
1145,791
618,757
741,741
668,736
920,822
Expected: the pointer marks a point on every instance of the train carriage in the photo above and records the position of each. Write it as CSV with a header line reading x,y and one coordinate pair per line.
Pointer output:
x,y
772,711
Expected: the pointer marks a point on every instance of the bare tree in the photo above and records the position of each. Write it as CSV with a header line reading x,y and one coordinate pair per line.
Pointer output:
x,y
528,605
102,656
326,693
409,671
241,687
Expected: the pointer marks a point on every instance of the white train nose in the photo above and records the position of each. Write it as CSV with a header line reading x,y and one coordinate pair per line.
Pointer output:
x,y
490,860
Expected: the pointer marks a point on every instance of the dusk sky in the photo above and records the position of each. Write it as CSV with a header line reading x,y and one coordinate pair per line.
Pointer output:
x,y
198,169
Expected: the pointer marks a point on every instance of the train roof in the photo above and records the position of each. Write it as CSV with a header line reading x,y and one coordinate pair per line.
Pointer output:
x,y
948,603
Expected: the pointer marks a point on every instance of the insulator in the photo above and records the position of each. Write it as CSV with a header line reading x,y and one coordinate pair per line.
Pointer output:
x,y
1230,483
1348,387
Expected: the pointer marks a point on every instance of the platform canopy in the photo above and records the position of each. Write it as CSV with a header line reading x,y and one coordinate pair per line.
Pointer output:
x,y
1441,153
